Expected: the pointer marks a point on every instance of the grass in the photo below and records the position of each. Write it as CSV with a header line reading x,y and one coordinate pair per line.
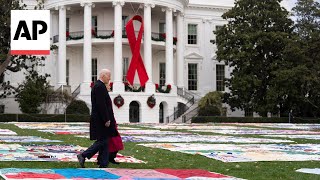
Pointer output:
x,y
158,158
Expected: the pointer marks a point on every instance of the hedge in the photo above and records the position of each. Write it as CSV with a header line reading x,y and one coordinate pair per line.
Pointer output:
x,y
44,118
206,119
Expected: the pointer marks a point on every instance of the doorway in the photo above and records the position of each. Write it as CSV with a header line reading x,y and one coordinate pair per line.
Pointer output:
x,y
134,112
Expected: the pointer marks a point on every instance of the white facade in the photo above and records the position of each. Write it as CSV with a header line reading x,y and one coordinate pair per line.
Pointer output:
x,y
109,53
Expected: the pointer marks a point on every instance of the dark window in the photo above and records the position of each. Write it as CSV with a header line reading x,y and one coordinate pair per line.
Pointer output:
x,y
67,71
162,74
125,20
248,112
94,71
68,24
192,34
220,77
193,77
125,68
95,24
2,109
162,27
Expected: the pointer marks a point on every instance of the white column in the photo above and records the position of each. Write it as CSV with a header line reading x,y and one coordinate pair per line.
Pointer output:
x,y
169,47
118,85
62,47
180,49
87,49
148,47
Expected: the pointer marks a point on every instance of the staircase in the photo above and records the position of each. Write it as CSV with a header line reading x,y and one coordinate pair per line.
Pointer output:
x,y
187,117
192,103
76,92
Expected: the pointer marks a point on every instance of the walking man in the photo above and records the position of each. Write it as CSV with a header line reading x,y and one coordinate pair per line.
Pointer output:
x,y
102,123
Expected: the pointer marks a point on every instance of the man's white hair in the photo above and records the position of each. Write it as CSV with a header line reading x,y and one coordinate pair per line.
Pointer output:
x,y
104,72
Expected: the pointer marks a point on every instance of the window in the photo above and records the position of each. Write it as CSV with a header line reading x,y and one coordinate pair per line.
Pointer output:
x,y
192,77
192,34
162,74
275,114
125,68
94,68
68,24
125,20
162,27
218,27
248,112
1,78
94,22
67,71
2,109
220,77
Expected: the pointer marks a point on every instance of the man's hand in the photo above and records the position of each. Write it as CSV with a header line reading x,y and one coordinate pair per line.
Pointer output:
x,y
107,124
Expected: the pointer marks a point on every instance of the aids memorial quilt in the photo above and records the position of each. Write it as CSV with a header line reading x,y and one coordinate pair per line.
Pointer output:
x,y
246,152
110,173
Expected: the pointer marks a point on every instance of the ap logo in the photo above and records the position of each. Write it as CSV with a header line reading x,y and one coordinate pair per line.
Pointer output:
x,y
30,32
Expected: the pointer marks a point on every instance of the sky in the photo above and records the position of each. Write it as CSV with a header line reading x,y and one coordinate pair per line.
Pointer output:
x,y
288,4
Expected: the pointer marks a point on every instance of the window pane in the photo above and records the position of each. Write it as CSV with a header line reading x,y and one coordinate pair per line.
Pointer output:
x,y
218,27
124,22
67,24
248,112
220,75
162,74
162,27
67,71
94,23
192,76
94,70
125,68
192,34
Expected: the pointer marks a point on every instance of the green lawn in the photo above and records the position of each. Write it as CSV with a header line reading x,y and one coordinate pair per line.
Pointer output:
x,y
158,158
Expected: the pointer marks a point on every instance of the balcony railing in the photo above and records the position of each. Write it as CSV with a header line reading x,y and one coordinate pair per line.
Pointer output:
x,y
107,34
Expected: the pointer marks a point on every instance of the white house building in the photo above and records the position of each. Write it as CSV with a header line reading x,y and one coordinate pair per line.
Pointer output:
x,y
175,49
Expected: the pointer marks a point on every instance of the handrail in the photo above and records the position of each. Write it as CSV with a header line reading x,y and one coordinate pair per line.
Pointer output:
x,y
188,106
76,92
187,117
185,94
191,100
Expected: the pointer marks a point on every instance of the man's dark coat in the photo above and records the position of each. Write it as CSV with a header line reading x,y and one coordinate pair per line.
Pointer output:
x,y
101,113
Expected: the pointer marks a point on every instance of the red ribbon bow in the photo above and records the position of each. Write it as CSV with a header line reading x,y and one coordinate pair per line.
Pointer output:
x,y
136,60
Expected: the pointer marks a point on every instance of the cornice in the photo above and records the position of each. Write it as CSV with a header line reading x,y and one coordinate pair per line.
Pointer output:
x,y
179,5
199,6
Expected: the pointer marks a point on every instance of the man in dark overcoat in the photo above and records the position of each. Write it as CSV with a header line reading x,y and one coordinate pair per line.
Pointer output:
x,y
102,123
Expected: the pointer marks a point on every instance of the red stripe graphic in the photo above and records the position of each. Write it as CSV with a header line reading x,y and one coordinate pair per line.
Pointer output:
x,y
30,52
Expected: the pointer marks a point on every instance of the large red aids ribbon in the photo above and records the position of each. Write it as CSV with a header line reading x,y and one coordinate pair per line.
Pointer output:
x,y
136,61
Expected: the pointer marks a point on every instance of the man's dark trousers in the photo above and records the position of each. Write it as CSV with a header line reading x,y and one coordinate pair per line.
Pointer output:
x,y
101,144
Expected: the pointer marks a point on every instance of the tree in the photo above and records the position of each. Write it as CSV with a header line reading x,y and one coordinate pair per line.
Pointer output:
x,y
307,14
10,63
5,57
33,93
253,44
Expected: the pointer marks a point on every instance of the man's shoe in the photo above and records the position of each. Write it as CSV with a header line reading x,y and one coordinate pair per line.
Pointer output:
x,y
114,162
103,166
81,160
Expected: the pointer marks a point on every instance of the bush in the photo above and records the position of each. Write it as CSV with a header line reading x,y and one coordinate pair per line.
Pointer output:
x,y
44,118
207,119
209,111
78,107
211,104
